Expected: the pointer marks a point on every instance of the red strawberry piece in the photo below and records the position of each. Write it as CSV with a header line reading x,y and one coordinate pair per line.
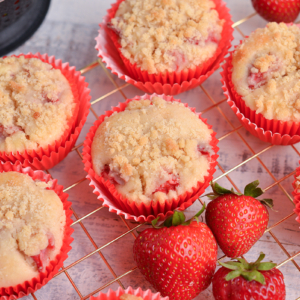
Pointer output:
x,y
177,258
236,220
203,150
256,80
6,131
277,10
113,176
47,99
241,280
41,259
169,185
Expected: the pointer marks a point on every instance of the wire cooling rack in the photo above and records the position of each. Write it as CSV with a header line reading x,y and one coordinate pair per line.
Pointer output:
x,y
255,155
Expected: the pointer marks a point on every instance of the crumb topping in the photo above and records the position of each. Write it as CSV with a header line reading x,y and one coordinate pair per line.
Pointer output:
x,y
36,104
130,297
266,71
167,35
32,222
154,150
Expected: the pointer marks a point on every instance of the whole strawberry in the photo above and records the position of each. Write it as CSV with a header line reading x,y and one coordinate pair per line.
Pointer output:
x,y
179,258
237,221
242,280
277,10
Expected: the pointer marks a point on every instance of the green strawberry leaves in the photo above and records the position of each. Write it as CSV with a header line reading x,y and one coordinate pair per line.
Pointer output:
x,y
218,191
267,202
251,190
178,218
249,271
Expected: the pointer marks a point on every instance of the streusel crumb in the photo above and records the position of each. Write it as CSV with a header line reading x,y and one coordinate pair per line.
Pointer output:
x,y
154,150
36,104
167,35
32,223
266,71
130,297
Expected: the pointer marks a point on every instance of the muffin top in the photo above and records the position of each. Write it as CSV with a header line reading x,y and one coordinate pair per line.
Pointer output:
x,y
130,297
153,150
32,223
266,71
36,104
167,35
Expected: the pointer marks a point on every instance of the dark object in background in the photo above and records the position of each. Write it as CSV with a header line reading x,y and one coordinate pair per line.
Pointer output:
x,y
19,19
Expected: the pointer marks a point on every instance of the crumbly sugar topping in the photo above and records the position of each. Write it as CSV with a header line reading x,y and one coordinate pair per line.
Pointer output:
x,y
266,71
167,35
154,150
130,297
36,104
32,223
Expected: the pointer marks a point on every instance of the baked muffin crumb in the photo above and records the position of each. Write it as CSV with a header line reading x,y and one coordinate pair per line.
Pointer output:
x,y
32,223
157,155
172,35
36,104
266,71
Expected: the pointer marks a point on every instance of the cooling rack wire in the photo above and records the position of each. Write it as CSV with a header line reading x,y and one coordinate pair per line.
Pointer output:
x,y
255,155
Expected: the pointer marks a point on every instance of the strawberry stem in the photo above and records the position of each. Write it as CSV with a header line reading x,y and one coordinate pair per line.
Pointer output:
x,y
249,271
251,190
178,218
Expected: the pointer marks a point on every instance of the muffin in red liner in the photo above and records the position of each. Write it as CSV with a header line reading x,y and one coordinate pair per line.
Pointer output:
x,y
171,83
272,131
46,157
115,295
143,212
296,193
30,286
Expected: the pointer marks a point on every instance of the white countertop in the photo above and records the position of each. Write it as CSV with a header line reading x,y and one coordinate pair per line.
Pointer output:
x,y
68,33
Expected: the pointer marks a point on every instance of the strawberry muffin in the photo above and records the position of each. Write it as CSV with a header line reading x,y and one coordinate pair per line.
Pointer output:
x,y
266,72
154,150
129,294
32,221
37,106
167,35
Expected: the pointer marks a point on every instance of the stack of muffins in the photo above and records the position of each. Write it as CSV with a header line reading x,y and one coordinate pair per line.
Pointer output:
x,y
148,156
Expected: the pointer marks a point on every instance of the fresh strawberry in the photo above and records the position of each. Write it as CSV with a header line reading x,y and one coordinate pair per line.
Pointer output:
x,y
241,280
277,10
178,258
237,221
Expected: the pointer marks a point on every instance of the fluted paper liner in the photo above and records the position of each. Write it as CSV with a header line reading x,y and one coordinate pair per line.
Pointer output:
x,y
30,286
142,212
273,131
47,157
164,83
296,195
115,295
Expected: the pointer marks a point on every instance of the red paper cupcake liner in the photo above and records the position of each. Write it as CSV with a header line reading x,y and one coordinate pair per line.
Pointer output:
x,y
275,132
47,157
164,83
142,212
296,194
21,290
115,295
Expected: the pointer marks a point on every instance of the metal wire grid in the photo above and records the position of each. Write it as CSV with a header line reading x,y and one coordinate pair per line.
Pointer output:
x,y
255,155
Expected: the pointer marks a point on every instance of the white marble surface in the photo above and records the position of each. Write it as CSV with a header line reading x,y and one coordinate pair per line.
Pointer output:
x,y
68,33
